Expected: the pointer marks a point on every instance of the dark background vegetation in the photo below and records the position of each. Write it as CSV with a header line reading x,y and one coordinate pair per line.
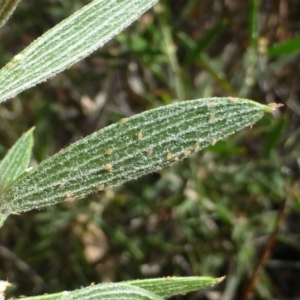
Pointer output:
x,y
232,209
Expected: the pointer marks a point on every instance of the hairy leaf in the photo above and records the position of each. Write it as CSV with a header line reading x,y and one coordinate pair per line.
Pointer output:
x,y
135,146
14,164
68,42
16,160
107,291
171,286
6,9
156,289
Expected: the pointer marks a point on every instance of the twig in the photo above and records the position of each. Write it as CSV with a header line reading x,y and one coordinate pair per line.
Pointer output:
x,y
266,252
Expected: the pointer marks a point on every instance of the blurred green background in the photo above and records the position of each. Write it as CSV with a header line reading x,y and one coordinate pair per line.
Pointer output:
x,y
232,209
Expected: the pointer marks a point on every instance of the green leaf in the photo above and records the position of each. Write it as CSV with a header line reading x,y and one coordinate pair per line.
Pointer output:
x,y
14,165
206,62
16,160
254,22
171,286
288,47
205,42
129,149
152,289
6,9
107,291
68,42
274,135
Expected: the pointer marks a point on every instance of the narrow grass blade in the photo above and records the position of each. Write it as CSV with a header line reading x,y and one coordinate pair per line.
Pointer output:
x,y
171,286
107,291
274,137
68,42
6,9
171,53
206,63
254,22
250,60
129,149
288,47
205,42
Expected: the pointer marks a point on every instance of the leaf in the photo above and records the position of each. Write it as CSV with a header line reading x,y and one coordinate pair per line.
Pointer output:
x,y
6,9
254,22
68,42
171,286
107,291
14,164
129,149
16,160
210,65
287,47
152,289
205,42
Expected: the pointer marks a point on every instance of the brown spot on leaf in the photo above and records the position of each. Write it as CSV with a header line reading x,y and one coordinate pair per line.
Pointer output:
x,y
149,152
187,152
108,167
197,147
211,105
109,151
70,196
123,120
140,136
100,187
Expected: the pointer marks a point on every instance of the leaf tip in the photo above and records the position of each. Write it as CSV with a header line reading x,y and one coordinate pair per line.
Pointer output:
x,y
220,279
273,106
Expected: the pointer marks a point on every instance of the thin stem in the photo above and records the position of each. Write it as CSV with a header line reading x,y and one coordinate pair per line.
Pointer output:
x,y
266,251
